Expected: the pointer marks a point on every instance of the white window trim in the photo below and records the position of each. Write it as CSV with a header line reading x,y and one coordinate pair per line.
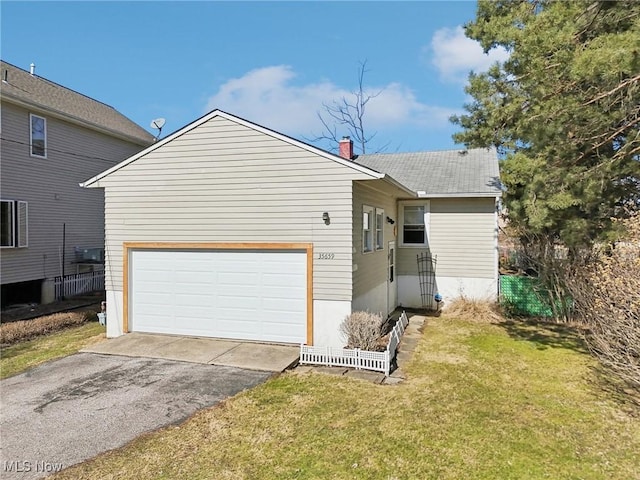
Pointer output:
x,y
379,211
371,230
427,222
16,240
31,117
13,223
22,242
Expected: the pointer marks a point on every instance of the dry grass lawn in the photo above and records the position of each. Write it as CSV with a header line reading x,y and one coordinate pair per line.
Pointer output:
x,y
19,331
28,354
483,401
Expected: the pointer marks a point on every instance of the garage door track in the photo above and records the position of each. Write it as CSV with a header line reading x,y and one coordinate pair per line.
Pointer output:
x,y
72,409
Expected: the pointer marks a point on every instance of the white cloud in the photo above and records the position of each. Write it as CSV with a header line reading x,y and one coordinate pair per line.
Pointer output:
x,y
455,55
268,96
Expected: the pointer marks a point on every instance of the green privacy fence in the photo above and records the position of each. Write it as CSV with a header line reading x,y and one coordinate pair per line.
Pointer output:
x,y
523,296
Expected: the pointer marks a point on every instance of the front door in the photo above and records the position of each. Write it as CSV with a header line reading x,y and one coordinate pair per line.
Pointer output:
x,y
392,288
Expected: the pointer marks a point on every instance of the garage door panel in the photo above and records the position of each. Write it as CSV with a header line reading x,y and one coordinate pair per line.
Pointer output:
x,y
284,280
195,311
153,298
193,289
159,322
282,306
234,279
253,295
193,298
238,303
194,277
283,292
241,330
187,265
156,276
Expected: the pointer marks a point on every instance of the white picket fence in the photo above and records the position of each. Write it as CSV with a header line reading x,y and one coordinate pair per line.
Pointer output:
x,y
356,358
79,283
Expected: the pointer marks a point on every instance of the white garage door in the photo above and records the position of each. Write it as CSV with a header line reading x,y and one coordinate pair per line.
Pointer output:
x,y
239,294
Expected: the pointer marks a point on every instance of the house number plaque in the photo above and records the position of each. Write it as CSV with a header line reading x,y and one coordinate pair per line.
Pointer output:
x,y
326,256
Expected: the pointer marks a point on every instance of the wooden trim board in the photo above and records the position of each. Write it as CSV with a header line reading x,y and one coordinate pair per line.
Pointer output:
x,y
129,246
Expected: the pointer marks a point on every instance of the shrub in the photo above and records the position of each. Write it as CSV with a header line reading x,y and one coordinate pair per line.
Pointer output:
x,y
14,332
607,299
362,330
478,310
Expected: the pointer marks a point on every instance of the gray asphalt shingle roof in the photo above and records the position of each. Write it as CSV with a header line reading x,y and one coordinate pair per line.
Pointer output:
x,y
441,173
21,86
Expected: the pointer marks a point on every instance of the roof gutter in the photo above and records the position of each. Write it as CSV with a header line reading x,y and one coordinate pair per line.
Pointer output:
x,y
422,194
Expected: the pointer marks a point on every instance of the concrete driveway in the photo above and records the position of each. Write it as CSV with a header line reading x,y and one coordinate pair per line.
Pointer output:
x,y
212,351
72,409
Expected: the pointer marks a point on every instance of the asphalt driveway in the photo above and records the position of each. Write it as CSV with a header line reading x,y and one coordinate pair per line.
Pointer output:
x,y
72,409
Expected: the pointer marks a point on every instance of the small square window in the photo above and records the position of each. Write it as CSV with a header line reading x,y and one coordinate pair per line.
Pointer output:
x,y
38,136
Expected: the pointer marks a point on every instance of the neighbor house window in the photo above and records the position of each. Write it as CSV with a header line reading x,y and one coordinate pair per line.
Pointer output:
x,y
415,223
13,223
379,229
368,227
38,136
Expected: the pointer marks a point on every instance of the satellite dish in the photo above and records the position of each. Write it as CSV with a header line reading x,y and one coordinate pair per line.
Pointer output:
x,y
158,123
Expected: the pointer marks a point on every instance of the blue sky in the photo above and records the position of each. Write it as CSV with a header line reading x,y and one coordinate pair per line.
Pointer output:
x,y
273,63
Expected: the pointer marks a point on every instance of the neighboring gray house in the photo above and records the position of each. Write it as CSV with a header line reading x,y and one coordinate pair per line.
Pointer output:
x,y
228,229
53,138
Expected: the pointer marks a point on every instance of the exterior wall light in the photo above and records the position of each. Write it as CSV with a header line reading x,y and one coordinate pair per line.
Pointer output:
x,y
325,218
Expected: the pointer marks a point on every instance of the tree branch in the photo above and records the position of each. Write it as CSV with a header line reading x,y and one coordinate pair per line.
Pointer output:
x,y
614,90
349,112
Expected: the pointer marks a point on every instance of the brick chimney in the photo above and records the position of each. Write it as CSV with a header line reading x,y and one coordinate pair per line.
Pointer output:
x,y
345,149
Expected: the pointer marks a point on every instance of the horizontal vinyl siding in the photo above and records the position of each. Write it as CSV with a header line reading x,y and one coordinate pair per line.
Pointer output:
x,y
462,235
372,267
223,182
50,185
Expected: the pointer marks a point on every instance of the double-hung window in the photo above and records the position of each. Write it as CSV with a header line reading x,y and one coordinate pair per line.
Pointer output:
x,y
13,224
379,229
38,136
372,229
414,219
368,227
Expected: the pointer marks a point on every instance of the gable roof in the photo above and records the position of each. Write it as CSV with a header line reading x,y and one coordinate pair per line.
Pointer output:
x,y
272,133
33,91
446,173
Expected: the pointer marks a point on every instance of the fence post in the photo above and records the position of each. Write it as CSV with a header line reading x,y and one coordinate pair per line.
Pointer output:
x,y
387,362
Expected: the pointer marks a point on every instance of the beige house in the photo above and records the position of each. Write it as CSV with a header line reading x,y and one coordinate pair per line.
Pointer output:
x,y
228,229
53,138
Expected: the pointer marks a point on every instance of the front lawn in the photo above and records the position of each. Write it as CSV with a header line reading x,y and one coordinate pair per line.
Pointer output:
x,y
482,401
24,355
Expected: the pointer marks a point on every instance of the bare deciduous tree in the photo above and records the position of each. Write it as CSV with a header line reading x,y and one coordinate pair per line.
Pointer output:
x,y
348,114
